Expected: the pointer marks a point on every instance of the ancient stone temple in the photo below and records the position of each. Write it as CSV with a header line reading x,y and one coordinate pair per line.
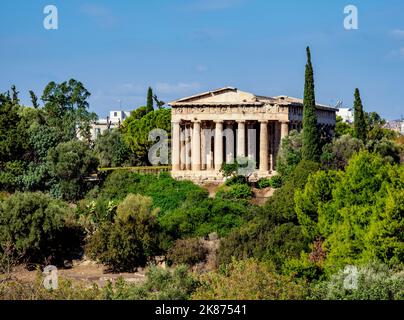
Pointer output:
x,y
219,126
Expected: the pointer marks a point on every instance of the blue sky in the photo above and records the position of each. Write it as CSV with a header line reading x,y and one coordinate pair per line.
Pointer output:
x,y
181,47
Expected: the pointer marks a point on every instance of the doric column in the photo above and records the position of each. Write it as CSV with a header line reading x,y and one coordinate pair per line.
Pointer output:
x,y
241,138
187,147
175,146
277,141
209,131
271,130
284,129
182,152
203,148
218,144
263,146
251,141
229,134
196,146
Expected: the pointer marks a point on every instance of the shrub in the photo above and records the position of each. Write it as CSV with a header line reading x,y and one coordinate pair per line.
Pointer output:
x,y
127,242
93,213
30,224
166,192
289,154
187,251
336,155
276,182
198,219
263,183
368,282
25,290
247,280
265,239
273,234
235,191
273,182
236,180
161,284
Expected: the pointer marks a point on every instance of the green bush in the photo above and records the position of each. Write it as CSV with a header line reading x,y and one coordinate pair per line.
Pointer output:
x,y
248,280
273,233
187,251
35,290
198,219
368,282
130,239
161,284
289,154
236,180
30,224
273,182
264,183
166,192
235,191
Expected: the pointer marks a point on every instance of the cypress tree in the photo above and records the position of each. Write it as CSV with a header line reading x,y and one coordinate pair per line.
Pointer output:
x,y
311,137
34,99
149,106
360,129
15,95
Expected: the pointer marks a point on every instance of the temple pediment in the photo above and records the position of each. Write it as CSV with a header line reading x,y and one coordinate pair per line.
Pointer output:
x,y
227,95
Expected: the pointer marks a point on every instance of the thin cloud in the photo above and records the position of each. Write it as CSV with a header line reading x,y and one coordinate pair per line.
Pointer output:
x,y
214,5
177,88
398,33
201,68
398,53
102,15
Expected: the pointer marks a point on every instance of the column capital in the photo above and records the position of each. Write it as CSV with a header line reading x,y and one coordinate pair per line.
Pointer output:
x,y
241,121
175,121
263,121
218,121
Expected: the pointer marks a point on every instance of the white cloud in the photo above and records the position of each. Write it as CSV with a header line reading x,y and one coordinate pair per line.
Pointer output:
x,y
398,33
213,5
177,88
101,14
398,53
201,68
94,10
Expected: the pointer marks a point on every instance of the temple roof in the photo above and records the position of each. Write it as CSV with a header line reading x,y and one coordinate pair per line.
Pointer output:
x,y
233,96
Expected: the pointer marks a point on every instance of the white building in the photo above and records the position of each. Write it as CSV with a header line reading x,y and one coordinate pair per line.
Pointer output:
x,y
114,120
346,114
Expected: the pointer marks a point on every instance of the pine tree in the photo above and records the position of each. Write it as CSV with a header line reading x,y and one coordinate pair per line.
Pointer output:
x,y
311,136
150,107
360,129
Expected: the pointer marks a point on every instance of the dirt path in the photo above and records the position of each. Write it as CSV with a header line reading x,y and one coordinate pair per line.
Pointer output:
x,y
83,271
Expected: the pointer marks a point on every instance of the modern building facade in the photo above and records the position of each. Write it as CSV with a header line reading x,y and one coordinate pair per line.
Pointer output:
x,y
219,126
114,120
346,114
